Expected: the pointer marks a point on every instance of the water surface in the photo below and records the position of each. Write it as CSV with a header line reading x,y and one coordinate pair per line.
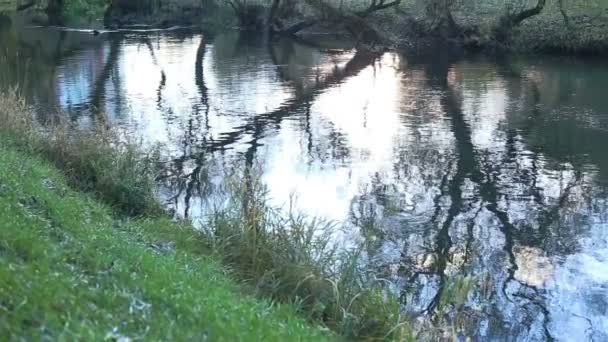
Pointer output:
x,y
490,169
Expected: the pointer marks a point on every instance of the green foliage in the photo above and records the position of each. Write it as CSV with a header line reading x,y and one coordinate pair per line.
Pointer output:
x,y
84,9
218,19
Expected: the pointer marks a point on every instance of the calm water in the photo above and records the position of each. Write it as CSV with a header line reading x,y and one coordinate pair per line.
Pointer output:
x,y
495,170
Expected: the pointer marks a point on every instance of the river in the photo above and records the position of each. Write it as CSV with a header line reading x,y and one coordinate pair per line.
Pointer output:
x,y
490,169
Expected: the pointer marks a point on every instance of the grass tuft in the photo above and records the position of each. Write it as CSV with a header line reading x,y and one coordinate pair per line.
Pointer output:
x,y
289,257
99,160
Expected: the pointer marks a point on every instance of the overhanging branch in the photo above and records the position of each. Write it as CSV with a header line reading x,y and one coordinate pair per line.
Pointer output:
x,y
518,18
377,5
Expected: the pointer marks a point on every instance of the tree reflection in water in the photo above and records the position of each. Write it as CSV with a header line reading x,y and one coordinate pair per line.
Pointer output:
x,y
486,204
501,213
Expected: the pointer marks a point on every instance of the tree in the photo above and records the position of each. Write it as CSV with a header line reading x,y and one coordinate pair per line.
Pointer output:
x,y
439,20
353,21
506,23
251,16
283,17
53,8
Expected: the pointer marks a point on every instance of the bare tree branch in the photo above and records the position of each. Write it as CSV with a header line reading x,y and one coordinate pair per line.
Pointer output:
x,y
518,18
562,10
377,5
511,20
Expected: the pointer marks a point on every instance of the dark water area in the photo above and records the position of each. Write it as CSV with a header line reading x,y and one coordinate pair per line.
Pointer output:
x,y
490,169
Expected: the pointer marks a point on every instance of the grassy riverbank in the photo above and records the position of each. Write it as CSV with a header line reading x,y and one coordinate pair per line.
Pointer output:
x,y
70,270
113,245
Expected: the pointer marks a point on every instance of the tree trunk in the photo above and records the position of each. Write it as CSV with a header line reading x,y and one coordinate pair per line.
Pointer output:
x,y
288,8
506,24
439,19
363,33
54,11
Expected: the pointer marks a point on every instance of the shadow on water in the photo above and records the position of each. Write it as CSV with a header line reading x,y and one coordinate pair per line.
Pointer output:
x,y
449,167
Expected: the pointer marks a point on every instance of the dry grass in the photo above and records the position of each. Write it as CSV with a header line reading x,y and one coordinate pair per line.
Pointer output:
x,y
290,257
100,161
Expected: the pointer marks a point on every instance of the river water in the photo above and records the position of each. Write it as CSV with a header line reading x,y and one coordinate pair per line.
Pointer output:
x,y
490,169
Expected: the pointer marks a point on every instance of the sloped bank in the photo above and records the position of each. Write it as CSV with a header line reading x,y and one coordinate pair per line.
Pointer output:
x,y
69,270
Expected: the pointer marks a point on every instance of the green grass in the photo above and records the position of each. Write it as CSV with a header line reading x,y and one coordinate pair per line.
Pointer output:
x,y
70,271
